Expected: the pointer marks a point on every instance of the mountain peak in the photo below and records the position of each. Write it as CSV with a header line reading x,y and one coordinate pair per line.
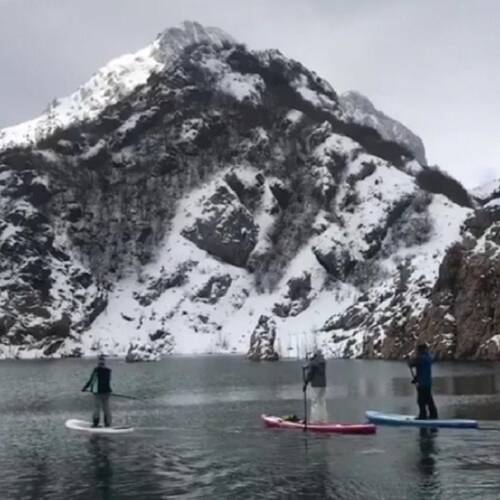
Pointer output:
x,y
112,82
175,39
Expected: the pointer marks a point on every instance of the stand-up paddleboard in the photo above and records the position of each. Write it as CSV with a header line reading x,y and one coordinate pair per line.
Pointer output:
x,y
84,426
279,423
380,418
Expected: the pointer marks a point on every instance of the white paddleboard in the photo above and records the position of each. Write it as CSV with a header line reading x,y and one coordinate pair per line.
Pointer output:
x,y
84,426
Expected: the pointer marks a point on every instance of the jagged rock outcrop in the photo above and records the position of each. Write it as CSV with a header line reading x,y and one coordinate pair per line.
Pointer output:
x,y
296,299
158,285
161,344
262,341
215,288
225,228
462,319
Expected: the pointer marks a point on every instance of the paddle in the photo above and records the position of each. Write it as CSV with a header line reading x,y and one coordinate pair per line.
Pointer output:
x,y
305,410
125,396
117,395
305,397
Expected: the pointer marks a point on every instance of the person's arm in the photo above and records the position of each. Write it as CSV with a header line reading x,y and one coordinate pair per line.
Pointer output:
x,y
90,382
305,372
308,374
413,363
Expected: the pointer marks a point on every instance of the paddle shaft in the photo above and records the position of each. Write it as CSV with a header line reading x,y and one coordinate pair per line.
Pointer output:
x,y
124,396
305,410
305,397
117,395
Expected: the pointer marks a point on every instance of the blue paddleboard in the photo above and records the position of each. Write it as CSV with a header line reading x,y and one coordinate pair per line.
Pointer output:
x,y
376,417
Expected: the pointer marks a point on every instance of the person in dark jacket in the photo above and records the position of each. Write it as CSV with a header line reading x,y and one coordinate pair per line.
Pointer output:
x,y
423,381
315,374
101,377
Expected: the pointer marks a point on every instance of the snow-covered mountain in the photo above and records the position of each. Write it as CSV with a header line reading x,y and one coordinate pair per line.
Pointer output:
x,y
199,197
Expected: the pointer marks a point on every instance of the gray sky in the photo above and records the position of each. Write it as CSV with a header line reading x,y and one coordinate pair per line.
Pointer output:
x,y
432,64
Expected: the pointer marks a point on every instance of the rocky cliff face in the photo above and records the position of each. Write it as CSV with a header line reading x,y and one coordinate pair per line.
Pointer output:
x,y
220,200
463,317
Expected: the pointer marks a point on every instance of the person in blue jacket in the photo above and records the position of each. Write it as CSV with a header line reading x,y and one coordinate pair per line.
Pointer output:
x,y
423,381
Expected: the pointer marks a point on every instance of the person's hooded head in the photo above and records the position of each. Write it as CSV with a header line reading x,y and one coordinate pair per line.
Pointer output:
x,y
422,348
318,354
101,360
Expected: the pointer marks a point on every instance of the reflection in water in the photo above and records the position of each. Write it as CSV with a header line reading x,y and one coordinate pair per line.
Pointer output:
x,y
463,385
99,451
39,478
308,471
458,385
427,446
320,479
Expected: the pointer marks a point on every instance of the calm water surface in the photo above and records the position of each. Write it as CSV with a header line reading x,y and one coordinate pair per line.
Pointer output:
x,y
199,434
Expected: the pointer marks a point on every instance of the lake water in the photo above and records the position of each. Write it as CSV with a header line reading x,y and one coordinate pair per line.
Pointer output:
x,y
199,433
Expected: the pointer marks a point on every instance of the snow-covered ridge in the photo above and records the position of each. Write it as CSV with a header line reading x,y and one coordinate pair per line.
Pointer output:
x,y
106,87
487,191
360,109
110,84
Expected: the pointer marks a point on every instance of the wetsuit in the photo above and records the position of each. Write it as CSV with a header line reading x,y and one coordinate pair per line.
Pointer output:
x,y
102,377
423,380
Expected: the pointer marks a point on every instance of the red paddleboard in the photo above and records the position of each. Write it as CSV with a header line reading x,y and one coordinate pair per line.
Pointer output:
x,y
279,423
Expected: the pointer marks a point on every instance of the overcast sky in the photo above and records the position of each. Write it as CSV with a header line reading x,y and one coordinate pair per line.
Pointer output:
x,y
432,64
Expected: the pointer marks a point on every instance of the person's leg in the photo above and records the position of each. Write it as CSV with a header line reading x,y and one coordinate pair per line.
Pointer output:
x,y
314,412
433,413
430,407
97,410
421,401
322,410
106,410
318,412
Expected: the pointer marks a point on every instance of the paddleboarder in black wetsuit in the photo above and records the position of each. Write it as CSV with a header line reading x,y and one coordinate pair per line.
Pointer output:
x,y
102,376
423,380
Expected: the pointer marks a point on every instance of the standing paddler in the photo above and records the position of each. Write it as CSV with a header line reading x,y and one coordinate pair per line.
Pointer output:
x,y
422,378
101,375
315,374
